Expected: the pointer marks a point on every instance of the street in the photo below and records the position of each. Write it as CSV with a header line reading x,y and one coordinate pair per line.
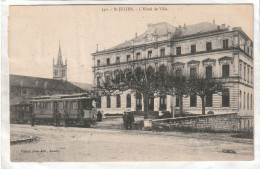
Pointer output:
x,y
96,145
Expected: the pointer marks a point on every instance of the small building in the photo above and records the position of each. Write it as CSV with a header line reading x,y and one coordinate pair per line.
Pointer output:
x,y
23,88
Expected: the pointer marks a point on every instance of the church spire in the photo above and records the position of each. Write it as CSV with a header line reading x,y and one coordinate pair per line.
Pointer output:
x,y
59,59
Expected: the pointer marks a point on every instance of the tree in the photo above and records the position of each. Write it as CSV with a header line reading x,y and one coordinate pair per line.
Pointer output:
x,y
141,78
203,87
176,84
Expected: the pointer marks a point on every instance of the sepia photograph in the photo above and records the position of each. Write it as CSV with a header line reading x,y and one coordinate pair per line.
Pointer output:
x,y
131,83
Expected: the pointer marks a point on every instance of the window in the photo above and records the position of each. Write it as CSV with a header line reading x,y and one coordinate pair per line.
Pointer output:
x,y
248,74
48,106
98,81
244,72
208,46
117,60
128,101
98,62
193,72
178,51
209,72
240,70
138,56
225,44
108,102
209,100
127,58
240,101
67,105
98,103
193,100
60,105
225,98
225,70
252,76
251,103
149,54
108,61
74,105
247,100
56,72
118,101
193,49
138,101
244,100
177,101
162,52
163,103
63,73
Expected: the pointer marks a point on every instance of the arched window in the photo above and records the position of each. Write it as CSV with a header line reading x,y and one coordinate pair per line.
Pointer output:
x,y
128,101
108,102
240,101
118,101
225,98
138,101
163,103
247,100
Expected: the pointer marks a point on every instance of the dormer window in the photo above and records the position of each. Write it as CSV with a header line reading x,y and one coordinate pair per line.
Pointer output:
x,y
149,54
138,55
98,62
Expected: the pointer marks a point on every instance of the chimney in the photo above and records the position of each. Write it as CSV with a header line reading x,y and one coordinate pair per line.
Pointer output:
x,y
214,21
135,35
184,26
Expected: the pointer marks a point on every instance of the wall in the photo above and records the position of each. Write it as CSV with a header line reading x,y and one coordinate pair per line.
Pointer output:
x,y
211,123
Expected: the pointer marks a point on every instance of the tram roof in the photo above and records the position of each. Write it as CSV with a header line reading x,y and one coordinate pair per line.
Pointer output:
x,y
64,97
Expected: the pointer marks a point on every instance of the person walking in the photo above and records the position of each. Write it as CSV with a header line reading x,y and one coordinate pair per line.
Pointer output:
x,y
125,120
131,119
99,116
33,119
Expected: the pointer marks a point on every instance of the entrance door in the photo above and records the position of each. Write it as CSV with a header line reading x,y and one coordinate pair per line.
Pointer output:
x,y
138,102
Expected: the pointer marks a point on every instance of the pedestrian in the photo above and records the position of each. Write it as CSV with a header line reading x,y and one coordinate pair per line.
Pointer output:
x,y
33,119
66,117
99,116
125,120
131,119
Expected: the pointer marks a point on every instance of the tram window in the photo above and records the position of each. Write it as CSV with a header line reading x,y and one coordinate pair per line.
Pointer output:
x,y
34,106
74,105
60,105
48,105
38,105
67,105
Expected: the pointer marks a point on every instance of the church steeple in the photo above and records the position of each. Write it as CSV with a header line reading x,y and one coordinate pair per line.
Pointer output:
x,y
59,59
60,70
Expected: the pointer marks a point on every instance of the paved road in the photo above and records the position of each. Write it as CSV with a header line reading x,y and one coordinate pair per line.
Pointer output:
x,y
81,144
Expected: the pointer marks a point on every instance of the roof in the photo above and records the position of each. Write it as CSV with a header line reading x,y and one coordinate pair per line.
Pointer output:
x,y
163,29
43,83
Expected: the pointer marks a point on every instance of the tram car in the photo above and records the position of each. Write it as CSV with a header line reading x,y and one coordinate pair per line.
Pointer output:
x,y
20,113
72,110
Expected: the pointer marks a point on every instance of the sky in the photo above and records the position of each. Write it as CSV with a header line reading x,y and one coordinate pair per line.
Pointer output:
x,y
34,32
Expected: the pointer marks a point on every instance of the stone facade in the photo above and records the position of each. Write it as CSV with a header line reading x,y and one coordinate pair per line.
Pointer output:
x,y
228,51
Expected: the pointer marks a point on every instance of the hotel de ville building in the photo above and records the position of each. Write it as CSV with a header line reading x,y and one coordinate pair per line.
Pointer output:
x,y
204,48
